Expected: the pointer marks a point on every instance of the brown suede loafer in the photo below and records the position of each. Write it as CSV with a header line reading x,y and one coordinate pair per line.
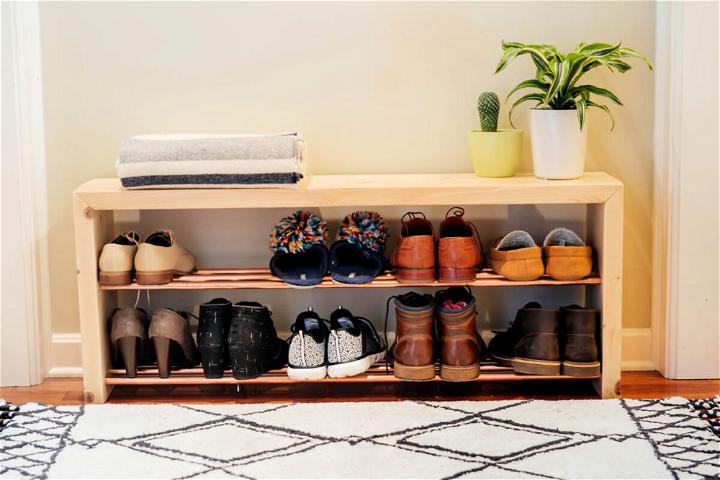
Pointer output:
x,y
516,257
566,255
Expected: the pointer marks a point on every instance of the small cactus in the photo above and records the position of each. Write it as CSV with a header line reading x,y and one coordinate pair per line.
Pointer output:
x,y
489,109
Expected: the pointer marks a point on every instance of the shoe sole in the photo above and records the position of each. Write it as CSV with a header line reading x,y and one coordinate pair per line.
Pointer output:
x,y
315,373
456,275
356,367
419,373
581,369
504,361
414,275
535,367
464,373
154,278
338,282
115,278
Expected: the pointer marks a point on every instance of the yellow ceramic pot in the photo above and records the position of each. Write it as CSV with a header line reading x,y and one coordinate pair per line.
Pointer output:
x,y
495,154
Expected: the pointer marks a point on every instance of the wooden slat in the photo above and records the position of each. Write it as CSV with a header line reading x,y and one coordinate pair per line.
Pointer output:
x,y
377,374
377,368
260,278
360,190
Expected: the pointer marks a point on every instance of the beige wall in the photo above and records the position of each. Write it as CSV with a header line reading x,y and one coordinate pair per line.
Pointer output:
x,y
375,88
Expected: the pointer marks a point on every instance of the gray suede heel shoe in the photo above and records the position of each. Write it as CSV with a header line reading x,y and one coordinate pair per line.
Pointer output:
x,y
174,344
129,340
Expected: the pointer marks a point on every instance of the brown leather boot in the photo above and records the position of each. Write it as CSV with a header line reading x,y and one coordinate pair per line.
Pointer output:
x,y
412,352
414,256
460,344
531,344
174,344
459,251
580,351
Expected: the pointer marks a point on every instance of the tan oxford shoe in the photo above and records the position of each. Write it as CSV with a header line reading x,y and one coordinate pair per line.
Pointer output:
x,y
116,259
160,257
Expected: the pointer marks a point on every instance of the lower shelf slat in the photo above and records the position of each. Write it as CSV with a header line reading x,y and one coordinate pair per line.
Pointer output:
x,y
376,374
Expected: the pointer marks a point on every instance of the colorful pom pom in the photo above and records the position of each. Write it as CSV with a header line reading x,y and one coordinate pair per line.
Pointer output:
x,y
364,228
298,232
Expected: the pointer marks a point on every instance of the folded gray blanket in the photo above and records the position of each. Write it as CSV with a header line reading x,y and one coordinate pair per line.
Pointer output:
x,y
181,161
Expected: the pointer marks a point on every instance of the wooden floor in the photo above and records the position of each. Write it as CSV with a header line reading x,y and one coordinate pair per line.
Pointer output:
x,y
68,391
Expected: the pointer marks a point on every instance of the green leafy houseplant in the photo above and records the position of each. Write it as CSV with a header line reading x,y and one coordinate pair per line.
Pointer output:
x,y
557,75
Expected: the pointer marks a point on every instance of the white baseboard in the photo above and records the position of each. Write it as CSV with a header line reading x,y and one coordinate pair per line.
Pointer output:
x,y
56,372
67,360
65,355
637,349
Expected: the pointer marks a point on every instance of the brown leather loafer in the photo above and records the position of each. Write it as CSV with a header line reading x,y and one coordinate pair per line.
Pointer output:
x,y
459,251
461,345
516,257
412,352
566,255
414,256
580,350
531,343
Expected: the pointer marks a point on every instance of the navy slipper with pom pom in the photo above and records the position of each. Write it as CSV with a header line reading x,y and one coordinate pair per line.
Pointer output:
x,y
357,254
301,257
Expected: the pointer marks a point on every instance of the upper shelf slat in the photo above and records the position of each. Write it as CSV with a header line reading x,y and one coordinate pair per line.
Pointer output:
x,y
361,190
252,278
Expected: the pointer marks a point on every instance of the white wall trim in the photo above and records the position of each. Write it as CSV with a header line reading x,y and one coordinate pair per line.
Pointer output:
x,y
64,372
67,360
668,98
676,41
637,349
27,113
65,355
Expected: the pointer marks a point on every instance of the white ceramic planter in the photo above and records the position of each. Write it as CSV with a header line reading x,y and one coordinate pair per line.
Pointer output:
x,y
558,144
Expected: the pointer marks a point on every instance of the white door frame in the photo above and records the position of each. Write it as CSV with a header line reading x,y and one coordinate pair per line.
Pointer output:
x,y
25,321
675,122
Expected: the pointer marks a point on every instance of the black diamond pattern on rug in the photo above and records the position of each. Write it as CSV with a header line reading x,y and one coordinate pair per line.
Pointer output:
x,y
682,441
36,435
515,439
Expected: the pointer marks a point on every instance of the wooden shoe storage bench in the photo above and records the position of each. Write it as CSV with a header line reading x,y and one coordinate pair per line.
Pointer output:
x,y
96,201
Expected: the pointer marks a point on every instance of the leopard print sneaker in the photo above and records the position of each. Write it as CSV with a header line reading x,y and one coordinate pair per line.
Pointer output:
x,y
306,354
353,344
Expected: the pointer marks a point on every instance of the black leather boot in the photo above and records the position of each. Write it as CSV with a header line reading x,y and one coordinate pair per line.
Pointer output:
x,y
212,336
531,343
252,341
580,350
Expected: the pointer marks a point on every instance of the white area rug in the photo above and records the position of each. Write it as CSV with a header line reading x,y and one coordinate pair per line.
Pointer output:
x,y
502,439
